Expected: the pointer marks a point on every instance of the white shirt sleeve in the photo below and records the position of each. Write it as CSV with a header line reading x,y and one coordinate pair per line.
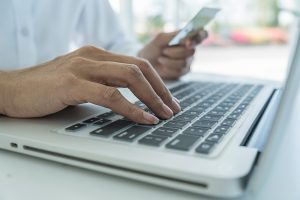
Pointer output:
x,y
99,25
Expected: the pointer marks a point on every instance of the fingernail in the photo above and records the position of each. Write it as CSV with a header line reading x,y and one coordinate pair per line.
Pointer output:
x,y
150,118
176,106
167,110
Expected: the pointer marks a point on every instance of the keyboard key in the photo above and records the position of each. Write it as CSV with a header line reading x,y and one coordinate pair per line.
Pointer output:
x,y
75,127
163,131
175,124
227,104
196,131
106,115
180,87
184,105
193,112
238,111
217,112
204,104
228,122
222,129
184,117
204,123
233,116
132,133
242,106
91,120
152,140
211,117
111,128
102,121
198,109
182,142
188,101
205,147
222,108
214,138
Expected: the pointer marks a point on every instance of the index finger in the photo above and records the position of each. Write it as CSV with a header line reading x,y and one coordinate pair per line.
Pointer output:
x,y
148,71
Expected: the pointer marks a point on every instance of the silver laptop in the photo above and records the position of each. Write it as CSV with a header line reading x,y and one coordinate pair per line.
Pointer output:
x,y
210,147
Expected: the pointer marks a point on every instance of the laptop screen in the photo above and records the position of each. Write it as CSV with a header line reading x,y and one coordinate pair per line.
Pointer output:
x,y
277,164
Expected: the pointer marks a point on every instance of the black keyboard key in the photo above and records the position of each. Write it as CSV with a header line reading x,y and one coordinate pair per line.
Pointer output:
x,y
106,115
180,87
205,147
222,129
204,104
233,116
152,140
217,112
199,108
222,108
184,105
214,138
242,106
91,120
193,112
238,111
163,131
111,128
75,127
175,124
211,100
182,142
211,117
132,133
228,122
102,121
189,101
196,131
204,123
184,117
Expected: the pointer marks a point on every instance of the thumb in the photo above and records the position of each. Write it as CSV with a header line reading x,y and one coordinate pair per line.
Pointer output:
x,y
162,39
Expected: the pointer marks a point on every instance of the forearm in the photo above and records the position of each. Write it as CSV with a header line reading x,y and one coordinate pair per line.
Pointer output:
x,y
3,79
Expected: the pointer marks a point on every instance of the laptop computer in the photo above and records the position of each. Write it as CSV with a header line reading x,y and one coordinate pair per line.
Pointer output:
x,y
210,148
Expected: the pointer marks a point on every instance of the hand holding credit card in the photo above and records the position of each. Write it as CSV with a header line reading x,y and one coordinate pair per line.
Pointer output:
x,y
203,17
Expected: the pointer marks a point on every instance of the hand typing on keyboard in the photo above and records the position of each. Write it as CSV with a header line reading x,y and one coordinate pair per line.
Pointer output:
x,y
90,75
209,113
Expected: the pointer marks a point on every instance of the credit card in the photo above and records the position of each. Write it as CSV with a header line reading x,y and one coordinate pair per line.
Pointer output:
x,y
203,17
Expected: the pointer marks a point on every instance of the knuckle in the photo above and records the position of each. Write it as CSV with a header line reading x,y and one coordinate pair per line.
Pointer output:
x,y
90,49
144,64
112,94
134,72
76,60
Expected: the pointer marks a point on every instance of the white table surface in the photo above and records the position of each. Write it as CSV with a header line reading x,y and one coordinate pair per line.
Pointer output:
x,y
28,178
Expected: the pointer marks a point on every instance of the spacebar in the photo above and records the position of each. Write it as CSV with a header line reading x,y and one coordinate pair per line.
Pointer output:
x,y
111,128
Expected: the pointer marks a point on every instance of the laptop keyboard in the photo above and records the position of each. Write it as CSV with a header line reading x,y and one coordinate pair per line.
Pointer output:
x,y
209,112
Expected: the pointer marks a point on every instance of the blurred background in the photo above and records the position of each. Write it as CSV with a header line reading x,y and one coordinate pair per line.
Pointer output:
x,y
249,38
